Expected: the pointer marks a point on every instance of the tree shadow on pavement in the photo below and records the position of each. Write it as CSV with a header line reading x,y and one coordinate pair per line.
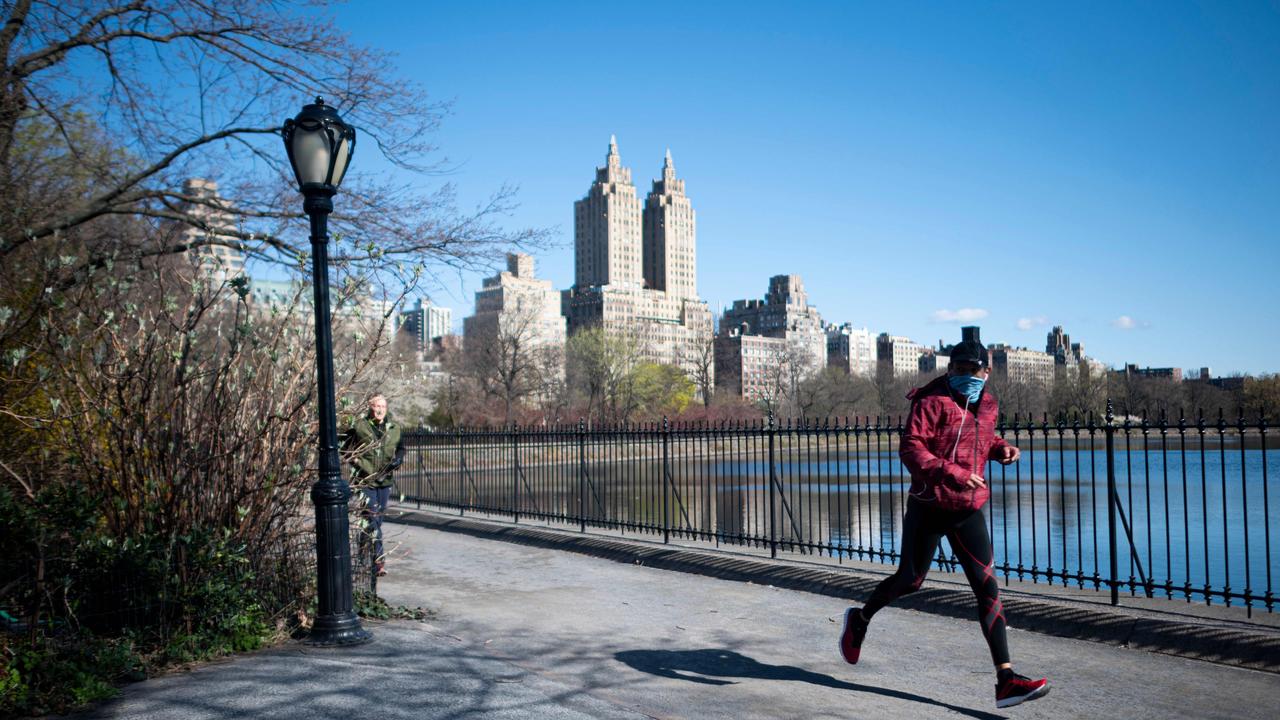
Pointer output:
x,y
708,666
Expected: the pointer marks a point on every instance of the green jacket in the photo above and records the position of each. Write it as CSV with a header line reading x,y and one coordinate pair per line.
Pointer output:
x,y
374,450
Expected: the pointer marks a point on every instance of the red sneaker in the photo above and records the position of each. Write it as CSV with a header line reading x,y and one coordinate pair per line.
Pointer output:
x,y
855,631
1016,689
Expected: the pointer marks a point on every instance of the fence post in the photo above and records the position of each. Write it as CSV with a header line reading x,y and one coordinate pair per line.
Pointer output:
x,y
582,474
666,480
1110,433
373,563
422,470
515,474
462,475
773,481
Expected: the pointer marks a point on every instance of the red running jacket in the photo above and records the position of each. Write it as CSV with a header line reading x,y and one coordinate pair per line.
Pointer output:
x,y
944,443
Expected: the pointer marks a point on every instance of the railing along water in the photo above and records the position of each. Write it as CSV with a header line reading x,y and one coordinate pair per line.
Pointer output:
x,y
1179,509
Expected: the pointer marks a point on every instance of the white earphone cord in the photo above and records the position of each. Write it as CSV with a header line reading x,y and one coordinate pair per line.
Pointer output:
x,y
962,419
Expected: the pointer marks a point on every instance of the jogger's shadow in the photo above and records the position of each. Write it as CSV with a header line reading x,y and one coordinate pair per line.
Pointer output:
x,y
709,665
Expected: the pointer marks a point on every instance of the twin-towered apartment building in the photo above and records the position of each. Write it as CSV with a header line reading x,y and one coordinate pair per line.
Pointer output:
x,y
635,266
635,272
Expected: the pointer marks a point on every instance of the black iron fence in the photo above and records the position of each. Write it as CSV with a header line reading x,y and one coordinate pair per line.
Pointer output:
x,y
1174,507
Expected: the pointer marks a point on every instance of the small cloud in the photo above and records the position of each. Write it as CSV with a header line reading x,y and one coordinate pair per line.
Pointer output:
x,y
1125,322
963,315
1028,323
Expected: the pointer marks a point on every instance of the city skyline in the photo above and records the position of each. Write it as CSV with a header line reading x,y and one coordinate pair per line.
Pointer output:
x,y
1109,169
628,263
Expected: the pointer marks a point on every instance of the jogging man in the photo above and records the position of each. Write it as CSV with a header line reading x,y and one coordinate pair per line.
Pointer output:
x,y
949,438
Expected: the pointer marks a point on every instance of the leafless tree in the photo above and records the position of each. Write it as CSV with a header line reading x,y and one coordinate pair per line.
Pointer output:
x,y
144,94
891,390
1027,399
1078,391
699,358
787,366
1135,396
509,356
834,392
172,398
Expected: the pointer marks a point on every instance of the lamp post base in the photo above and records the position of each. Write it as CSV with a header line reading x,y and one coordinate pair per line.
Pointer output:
x,y
337,630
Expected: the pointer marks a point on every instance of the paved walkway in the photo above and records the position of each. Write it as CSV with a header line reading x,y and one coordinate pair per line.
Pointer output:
x,y
530,632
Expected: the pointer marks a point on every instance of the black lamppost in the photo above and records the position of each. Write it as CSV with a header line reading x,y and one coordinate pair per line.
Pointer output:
x,y
320,146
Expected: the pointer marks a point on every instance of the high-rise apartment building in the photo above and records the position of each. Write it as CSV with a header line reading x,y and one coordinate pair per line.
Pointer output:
x,y
524,308
634,270
210,218
1059,345
425,322
1020,365
898,356
607,229
754,367
278,296
851,349
1164,373
785,313
670,230
933,361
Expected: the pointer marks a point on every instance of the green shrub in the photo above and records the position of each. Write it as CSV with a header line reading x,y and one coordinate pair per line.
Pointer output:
x,y
121,607
58,674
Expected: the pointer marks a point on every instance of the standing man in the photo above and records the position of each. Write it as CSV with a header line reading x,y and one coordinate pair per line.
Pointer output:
x,y
950,436
373,444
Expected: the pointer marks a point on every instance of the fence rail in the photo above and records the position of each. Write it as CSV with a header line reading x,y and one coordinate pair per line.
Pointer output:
x,y
1173,507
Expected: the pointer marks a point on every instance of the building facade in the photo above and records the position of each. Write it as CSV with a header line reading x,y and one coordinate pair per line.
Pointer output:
x,y
784,313
425,322
898,356
607,229
1166,373
933,361
851,349
1020,365
669,230
1059,345
211,219
784,316
634,270
751,366
520,305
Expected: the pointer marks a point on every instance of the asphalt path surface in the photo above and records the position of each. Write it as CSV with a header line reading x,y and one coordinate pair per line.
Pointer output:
x,y
523,632
673,645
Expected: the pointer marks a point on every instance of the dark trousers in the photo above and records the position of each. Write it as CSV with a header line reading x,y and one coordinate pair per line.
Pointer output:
x,y
922,529
375,509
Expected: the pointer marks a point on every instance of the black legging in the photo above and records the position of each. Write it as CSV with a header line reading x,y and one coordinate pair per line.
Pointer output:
x,y
922,529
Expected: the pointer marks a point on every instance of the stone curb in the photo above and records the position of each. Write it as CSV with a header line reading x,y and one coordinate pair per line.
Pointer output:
x,y
1257,650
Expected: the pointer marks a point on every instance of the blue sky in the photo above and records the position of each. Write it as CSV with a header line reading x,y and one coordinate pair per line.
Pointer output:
x,y
1112,168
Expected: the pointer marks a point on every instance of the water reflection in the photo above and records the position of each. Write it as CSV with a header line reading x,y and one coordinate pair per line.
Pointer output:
x,y
1198,518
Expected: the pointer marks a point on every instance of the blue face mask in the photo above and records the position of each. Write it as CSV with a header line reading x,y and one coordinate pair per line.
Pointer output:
x,y
967,386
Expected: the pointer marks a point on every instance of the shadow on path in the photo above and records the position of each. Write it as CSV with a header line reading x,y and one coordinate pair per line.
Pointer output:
x,y
709,665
